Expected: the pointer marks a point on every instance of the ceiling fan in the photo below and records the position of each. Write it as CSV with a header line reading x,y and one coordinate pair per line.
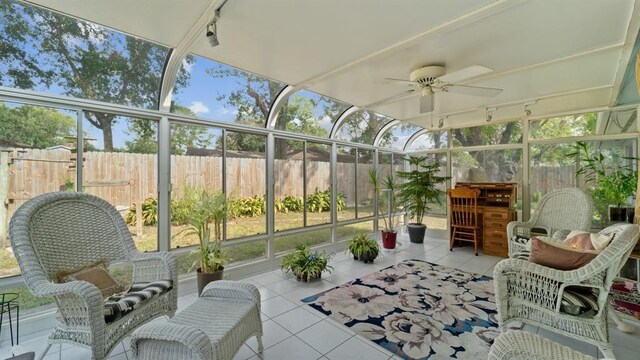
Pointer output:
x,y
432,79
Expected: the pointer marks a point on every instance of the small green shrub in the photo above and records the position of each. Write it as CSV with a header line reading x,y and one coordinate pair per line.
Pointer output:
x,y
362,247
306,265
149,212
293,203
247,207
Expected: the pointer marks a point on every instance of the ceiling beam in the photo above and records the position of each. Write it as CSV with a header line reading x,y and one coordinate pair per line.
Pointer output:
x,y
181,51
625,56
468,18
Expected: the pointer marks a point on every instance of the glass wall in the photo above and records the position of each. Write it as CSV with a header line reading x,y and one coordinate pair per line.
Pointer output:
x,y
306,112
121,166
346,176
362,127
288,171
318,184
430,140
52,53
396,137
364,188
37,156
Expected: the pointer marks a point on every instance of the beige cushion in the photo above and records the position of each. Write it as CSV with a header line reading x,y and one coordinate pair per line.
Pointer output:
x,y
558,256
584,240
110,280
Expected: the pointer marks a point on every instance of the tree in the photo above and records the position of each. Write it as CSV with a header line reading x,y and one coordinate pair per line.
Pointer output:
x,y
363,126
36,126
44,50
182,136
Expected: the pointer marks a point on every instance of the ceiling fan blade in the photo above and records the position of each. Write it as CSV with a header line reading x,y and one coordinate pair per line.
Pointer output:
x,y
471,90
391,98
464,74
402,81
426,103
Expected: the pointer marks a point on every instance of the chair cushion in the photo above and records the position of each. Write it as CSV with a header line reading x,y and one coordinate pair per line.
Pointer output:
x,y
558,256
579,301
119,305
584,240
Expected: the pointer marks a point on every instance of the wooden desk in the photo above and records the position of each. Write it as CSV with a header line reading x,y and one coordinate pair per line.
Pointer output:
x,y
497,207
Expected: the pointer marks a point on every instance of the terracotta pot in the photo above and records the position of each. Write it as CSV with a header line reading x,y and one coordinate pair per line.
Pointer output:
x,y
389,239
204,279
416,232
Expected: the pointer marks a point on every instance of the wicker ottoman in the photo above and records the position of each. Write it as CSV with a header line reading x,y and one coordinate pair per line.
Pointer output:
x,y
214,327
521,345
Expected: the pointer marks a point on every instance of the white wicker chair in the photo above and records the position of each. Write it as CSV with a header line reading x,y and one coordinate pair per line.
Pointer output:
x,y
521,345
66,230
532,293
561,209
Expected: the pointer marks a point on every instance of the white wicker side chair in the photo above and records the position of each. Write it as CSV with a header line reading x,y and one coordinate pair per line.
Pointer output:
x,y
561,209
532,293
59,231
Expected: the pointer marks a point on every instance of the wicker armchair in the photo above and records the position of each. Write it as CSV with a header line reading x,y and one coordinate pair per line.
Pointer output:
x,y
66,230
568,208
532,293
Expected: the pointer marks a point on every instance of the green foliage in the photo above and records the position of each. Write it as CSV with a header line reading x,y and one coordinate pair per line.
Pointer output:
x,y
69,183
361,245
149,212
613,178
304,264
317,202
293,203
38,127
419,187
247,207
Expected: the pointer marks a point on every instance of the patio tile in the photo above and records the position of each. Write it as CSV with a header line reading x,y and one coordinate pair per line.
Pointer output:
x,y
272,334
356,349
294,348
297,320
244,353
324,336
276,306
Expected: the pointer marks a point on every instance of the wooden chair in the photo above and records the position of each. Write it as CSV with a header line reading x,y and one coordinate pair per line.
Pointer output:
x,y
464,216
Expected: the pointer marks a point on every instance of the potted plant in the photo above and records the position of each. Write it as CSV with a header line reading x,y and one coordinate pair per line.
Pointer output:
x,y
208,213
363,248
389,234
613,183
418,190
304,264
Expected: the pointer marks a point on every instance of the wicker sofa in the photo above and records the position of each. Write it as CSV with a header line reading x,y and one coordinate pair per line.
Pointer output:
x,y
568,208
532,293
65,230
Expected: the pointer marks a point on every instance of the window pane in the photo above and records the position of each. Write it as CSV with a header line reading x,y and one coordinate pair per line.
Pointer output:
x,y
397,136
362,127
309,113
121,166
345,232
318,184
37,156
246,180
491,134
53,53
346,175
385,161
439,208
216,91
430,140
238,254
288,172
310,238
364,188
605,122
552,168
196,167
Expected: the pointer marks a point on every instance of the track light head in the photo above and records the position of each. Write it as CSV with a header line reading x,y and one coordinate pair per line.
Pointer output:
x,y
527,112
489,115
212,34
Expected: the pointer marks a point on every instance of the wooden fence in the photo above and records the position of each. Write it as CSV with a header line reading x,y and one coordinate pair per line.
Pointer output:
x,y
124,179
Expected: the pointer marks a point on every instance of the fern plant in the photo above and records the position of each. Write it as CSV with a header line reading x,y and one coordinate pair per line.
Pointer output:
x,y
363,248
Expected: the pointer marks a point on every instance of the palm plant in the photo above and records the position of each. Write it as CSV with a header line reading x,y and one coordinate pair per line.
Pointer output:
x,y
388,201
419,188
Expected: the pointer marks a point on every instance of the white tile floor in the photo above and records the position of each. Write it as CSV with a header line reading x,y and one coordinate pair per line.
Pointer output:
x,y
292,330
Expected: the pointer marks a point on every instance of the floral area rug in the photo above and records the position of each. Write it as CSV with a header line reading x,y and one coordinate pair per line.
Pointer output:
x,y
417,310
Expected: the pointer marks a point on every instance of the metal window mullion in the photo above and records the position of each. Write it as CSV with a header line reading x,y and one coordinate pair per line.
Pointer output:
x,y
79,152
164,184
526,174
376,211
224,180
333,164
269,175
304,183
355,182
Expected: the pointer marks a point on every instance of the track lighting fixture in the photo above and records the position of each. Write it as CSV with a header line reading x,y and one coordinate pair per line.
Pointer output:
x,y
212,31
526,110
489,116
441,122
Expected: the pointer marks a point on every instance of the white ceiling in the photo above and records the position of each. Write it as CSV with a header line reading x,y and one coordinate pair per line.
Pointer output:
x,y
565,55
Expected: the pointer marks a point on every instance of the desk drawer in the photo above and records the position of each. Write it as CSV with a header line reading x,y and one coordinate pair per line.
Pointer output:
x,y
499,235
496,224
496,214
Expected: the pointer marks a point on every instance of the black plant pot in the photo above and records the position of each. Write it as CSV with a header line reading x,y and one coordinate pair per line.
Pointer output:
x,y
203,279
368,257
416,232
619,213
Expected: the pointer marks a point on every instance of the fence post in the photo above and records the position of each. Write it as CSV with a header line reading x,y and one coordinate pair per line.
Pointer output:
x,y
4,196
